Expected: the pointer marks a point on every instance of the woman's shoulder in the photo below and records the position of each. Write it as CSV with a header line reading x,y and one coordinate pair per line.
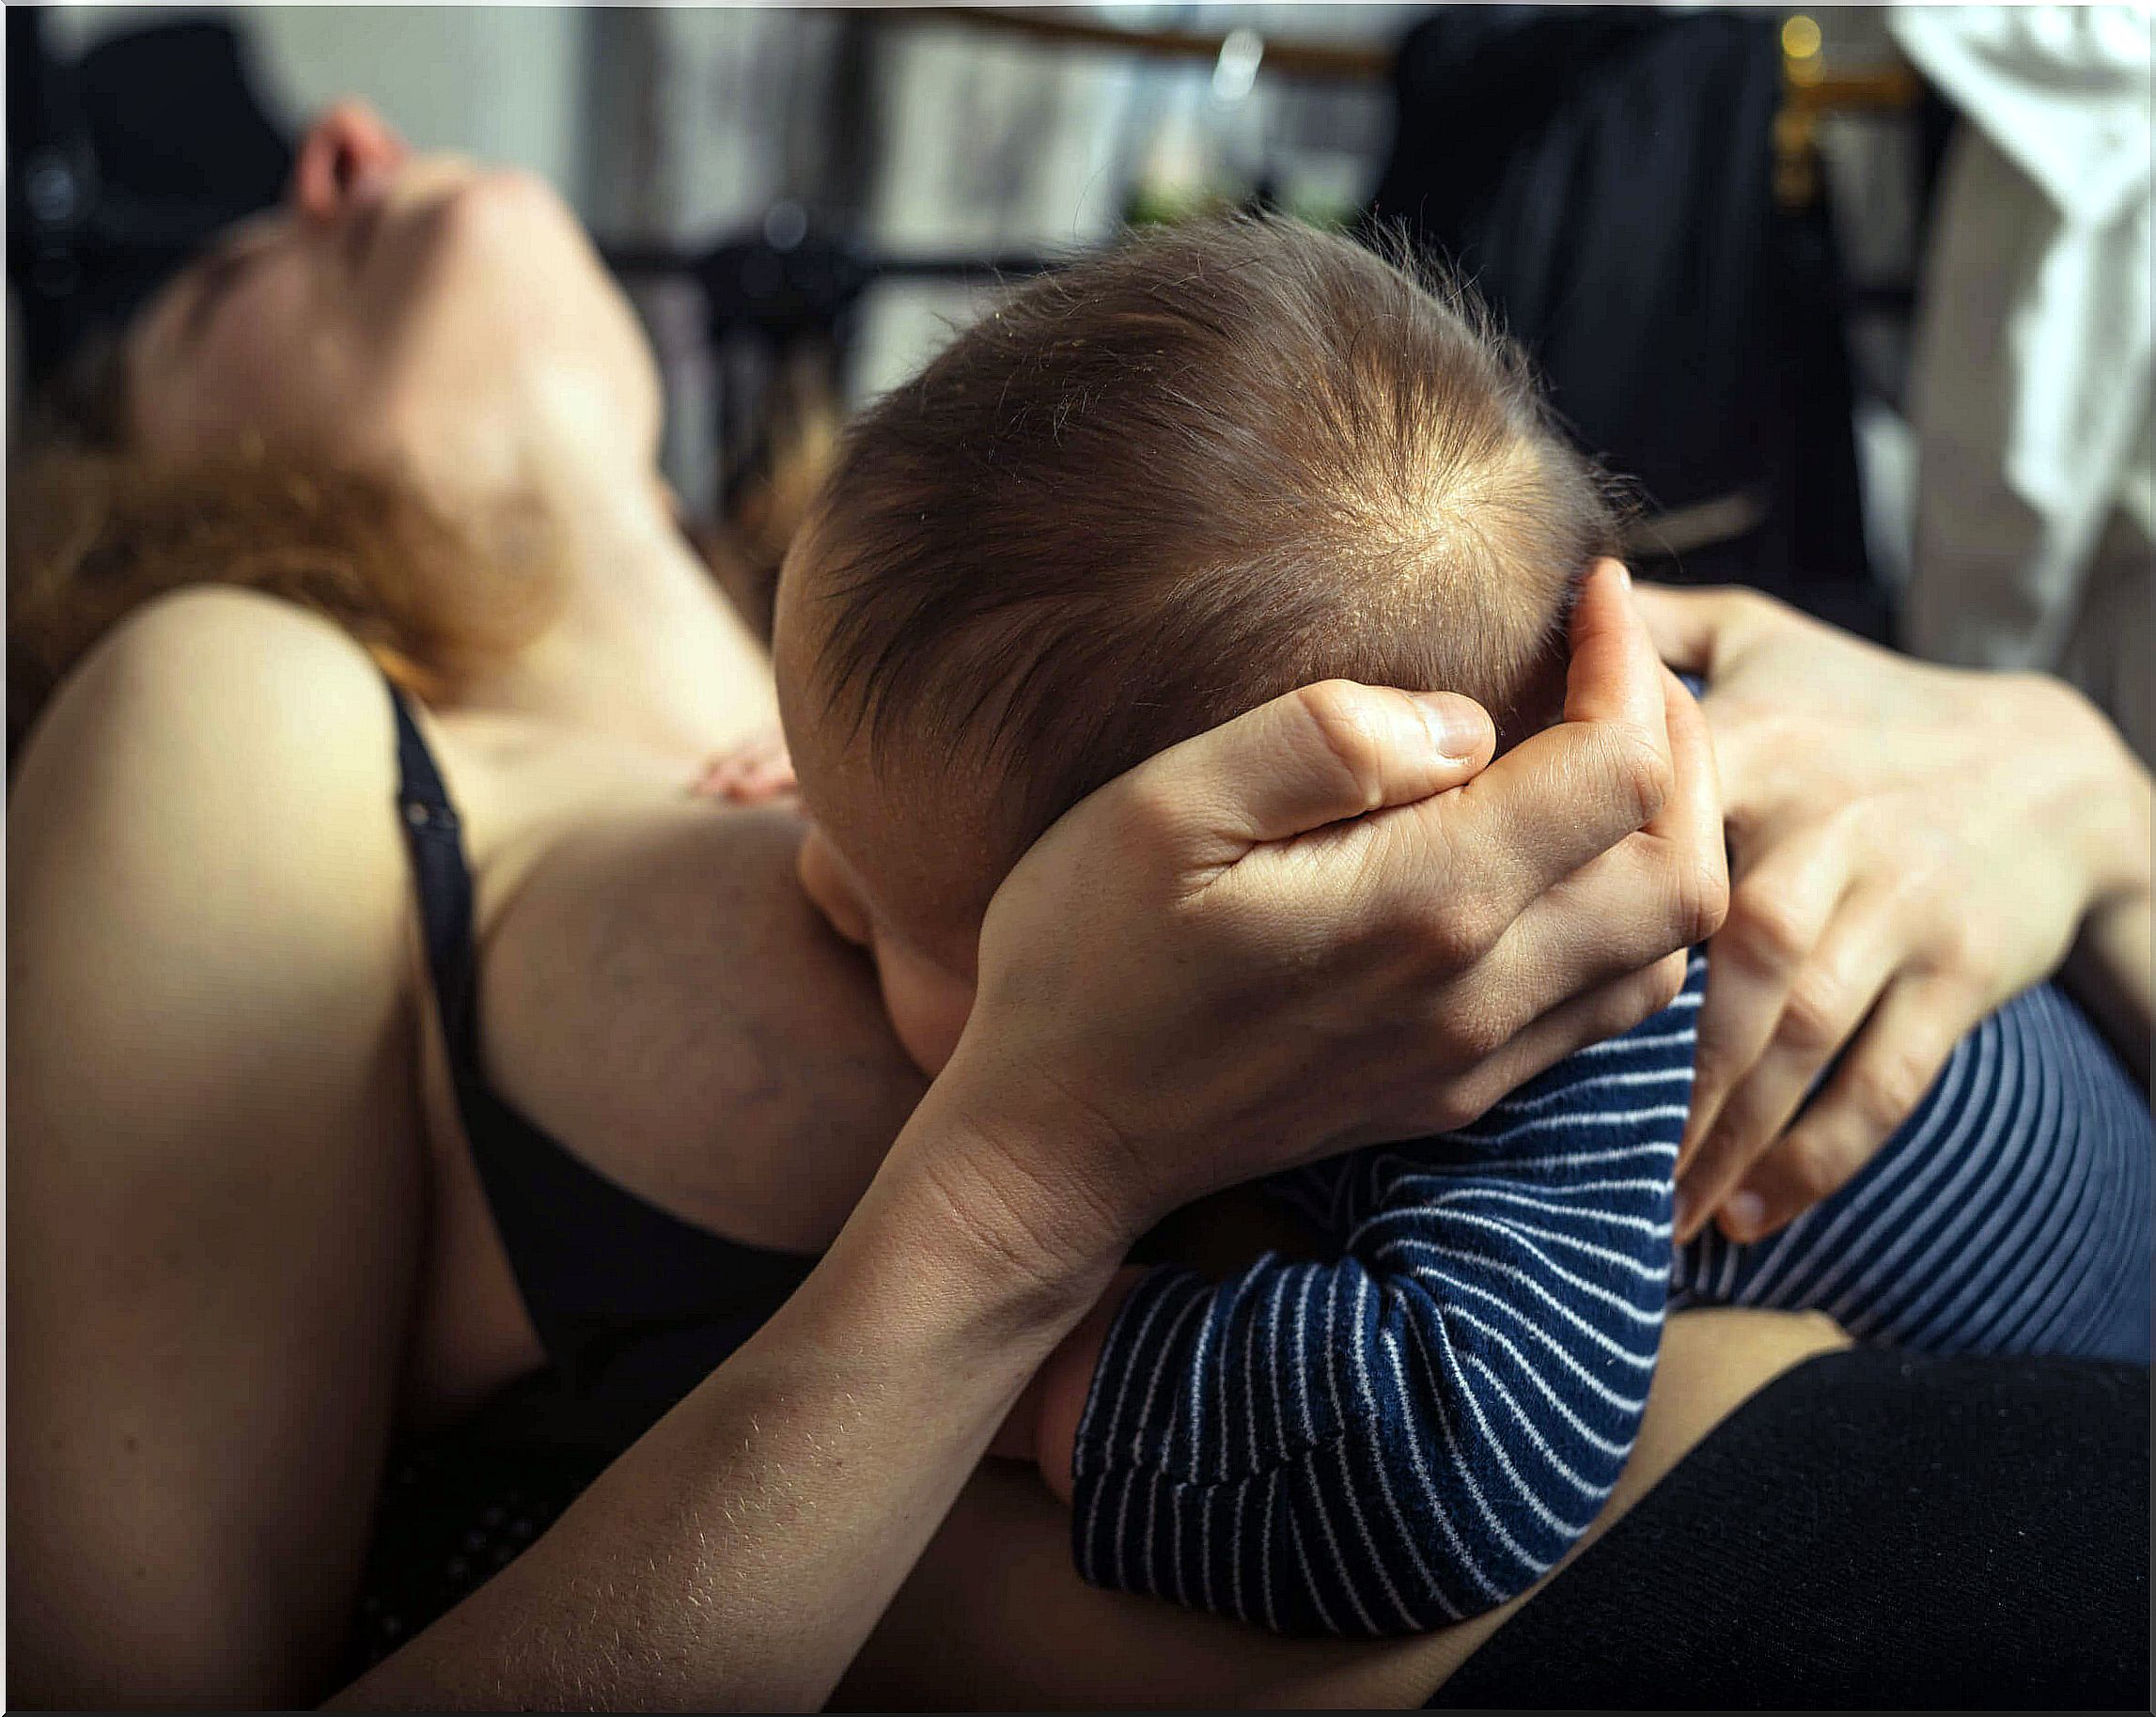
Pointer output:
x,y
210,929
210,647
225,736
221,681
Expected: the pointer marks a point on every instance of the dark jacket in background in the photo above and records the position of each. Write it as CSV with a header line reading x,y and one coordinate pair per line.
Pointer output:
x,y
120,162
1605,177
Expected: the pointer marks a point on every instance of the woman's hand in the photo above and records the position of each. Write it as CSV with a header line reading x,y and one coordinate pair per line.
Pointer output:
x,y
1909,846
1329,923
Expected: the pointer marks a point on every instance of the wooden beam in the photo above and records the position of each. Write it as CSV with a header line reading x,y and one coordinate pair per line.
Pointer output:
x,y
1309,60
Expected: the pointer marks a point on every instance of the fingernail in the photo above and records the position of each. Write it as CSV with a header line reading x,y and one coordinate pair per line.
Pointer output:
x,y
1682,1218
1455,724
1744,1214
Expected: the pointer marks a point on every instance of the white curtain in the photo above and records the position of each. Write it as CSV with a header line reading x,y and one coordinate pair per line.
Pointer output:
x,y
2031,378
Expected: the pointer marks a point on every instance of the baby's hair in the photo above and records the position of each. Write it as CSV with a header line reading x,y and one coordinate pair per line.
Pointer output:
x,y
1175,480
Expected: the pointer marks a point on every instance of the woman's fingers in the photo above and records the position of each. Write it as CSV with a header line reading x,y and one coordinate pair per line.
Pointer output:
x,y
1693,629
1571,793
1336,751
1317,755
1306,875
1613,675
1778,912
1615,934
1608,1011
1544,810
1827,1000
1690,825
1875,1088
1663,888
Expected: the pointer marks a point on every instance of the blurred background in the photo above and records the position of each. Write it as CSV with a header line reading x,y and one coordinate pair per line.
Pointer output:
x,y
1859,297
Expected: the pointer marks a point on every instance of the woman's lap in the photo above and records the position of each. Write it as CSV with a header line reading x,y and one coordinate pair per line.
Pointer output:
x,y
1872,1529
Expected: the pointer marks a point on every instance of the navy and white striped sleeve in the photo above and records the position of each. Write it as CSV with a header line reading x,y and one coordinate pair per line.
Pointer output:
x,y
1415,1431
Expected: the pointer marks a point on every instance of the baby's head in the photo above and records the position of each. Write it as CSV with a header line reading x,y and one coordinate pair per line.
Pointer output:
x,y
1151,491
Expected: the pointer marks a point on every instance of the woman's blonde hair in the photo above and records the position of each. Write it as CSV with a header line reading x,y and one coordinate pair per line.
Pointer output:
x,y
95,530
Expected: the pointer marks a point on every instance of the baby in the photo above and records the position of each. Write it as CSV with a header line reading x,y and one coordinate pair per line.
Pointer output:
x,y
1152,493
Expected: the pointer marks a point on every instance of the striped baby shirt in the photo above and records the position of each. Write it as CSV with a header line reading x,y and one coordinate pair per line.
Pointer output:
x,y
1415,1429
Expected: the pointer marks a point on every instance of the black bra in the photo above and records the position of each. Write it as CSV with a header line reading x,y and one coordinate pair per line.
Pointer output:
x,y
633,1307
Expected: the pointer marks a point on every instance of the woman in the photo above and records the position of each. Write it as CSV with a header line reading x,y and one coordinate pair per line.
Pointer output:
x,y
245,1177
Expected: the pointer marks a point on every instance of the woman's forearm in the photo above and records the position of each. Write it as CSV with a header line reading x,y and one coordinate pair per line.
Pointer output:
x,y
739,1554
2109,966
2109,974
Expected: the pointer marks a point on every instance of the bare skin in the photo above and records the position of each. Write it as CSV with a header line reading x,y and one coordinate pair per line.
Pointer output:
x,y
234,1176
310,1176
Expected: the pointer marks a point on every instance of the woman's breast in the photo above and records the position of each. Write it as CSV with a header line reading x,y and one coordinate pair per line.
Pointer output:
x,y
658,999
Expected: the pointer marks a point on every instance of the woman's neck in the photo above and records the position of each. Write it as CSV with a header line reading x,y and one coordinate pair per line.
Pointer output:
x,y
644,648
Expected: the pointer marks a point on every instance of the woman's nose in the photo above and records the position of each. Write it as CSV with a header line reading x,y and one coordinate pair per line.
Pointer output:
x,y
344,159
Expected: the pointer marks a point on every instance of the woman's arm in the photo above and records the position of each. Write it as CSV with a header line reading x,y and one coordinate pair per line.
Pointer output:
x,y
215,1207
2109,969
216,1204
737,1555
215,1189
994,1616
1909,846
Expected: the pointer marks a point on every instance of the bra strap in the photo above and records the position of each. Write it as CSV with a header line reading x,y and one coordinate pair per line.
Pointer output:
x,y
435,839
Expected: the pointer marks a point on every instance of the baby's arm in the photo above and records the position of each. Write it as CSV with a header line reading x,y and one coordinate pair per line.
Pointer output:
x,y
1405,1436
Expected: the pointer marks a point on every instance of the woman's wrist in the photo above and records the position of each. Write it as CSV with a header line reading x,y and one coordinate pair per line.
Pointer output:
x,y
2108,967
756,1534
983,1195
2111,805
2109,973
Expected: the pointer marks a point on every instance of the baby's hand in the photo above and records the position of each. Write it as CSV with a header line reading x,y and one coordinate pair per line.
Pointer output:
x,y
1018,1437
1043,1427
753,773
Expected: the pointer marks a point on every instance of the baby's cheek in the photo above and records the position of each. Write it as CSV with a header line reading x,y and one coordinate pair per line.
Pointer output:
x,y
928,1006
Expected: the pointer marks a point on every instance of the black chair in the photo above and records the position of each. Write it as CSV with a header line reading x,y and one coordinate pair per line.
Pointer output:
x,y
122,162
